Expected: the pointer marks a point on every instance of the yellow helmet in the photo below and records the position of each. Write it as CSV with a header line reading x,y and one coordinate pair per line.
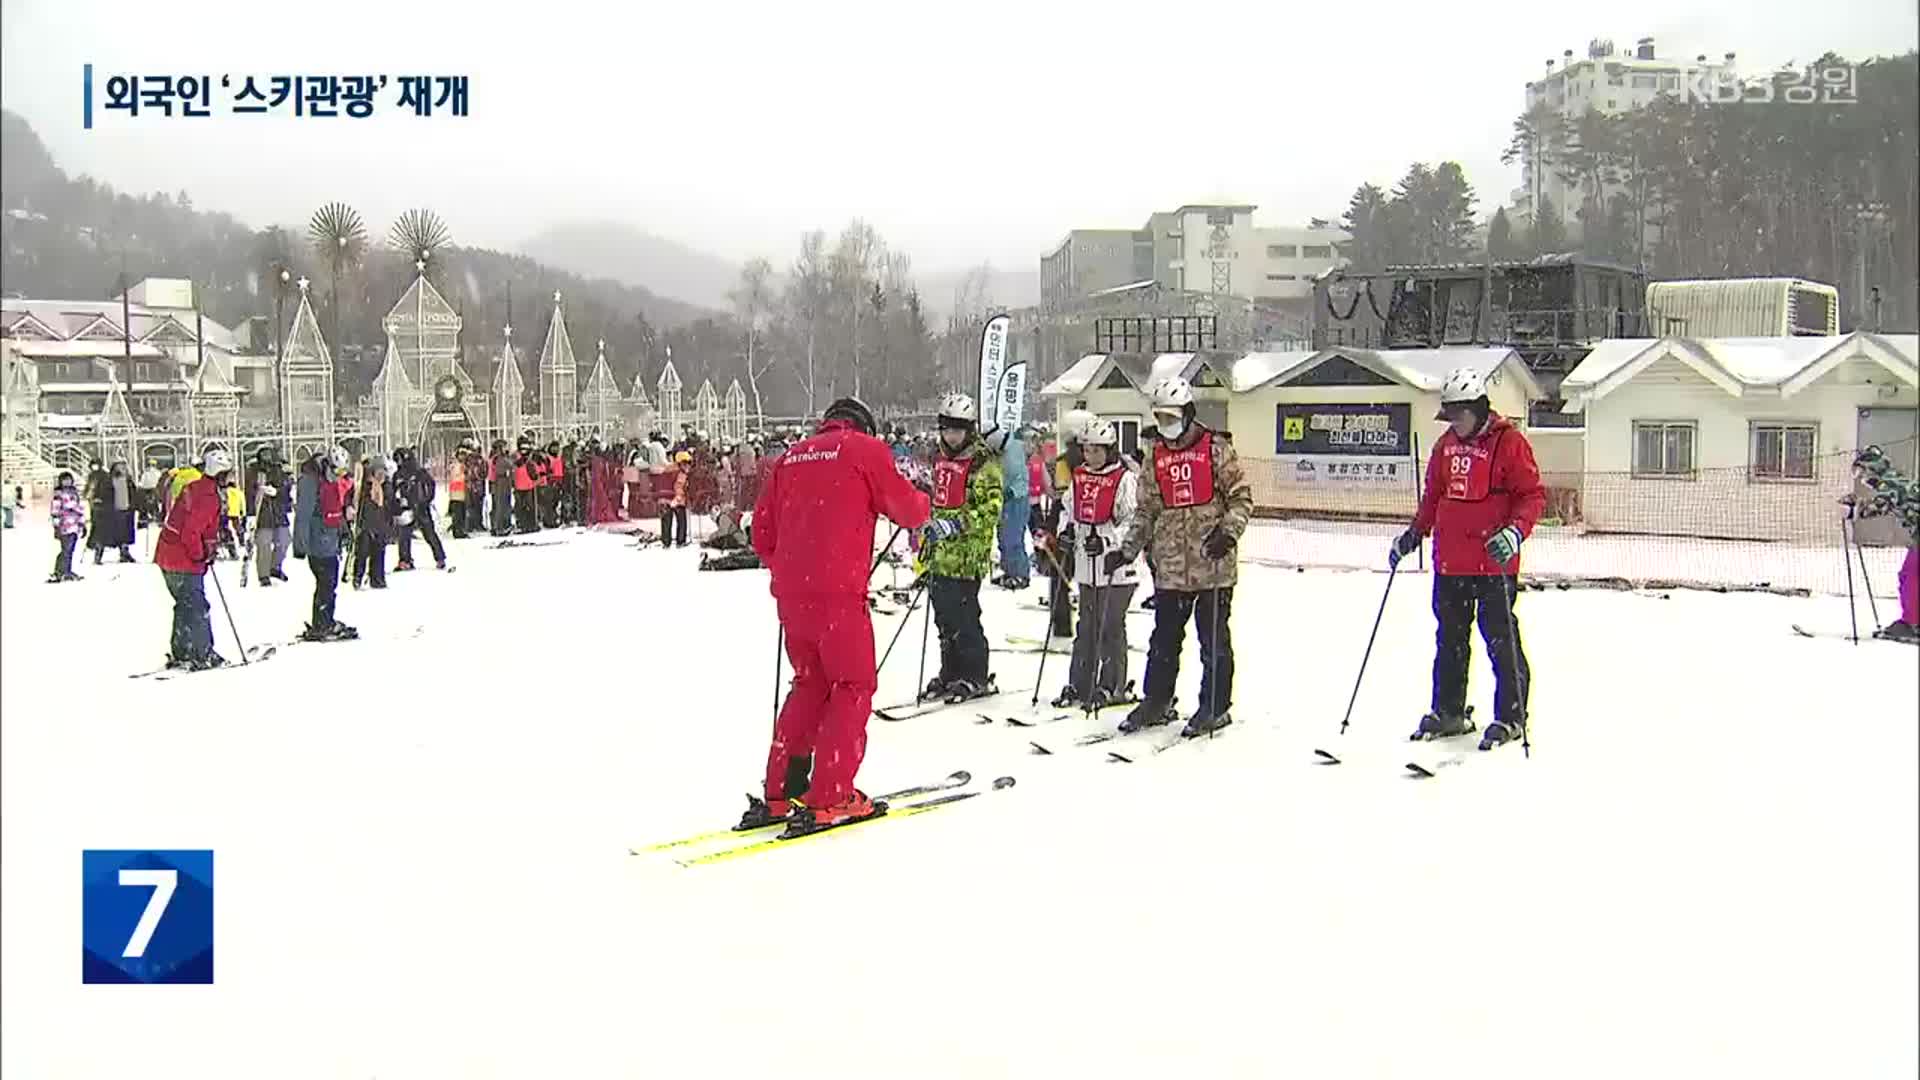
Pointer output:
x,y
683,458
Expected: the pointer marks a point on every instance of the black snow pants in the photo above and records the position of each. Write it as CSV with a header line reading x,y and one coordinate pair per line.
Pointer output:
x,y
1212,613
956,615
1460,600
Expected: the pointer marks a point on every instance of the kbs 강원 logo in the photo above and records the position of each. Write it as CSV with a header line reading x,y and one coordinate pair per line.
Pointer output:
x,y
146,916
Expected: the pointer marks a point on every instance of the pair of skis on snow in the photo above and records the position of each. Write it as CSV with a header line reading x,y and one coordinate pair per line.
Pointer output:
x,y
1458,748
700,848
259,653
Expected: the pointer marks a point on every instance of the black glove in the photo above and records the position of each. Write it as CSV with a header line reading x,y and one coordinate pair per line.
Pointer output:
x,y
1403,545
1217,544
1094,545
1065,536
1115,562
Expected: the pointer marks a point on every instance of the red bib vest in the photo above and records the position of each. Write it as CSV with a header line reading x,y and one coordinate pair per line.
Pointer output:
x,y
1185,476
950,483
1093,495
1468,469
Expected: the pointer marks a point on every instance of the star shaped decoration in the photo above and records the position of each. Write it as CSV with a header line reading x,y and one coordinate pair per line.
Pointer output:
x,y
509,331
556,296
419,266
302,283
603,344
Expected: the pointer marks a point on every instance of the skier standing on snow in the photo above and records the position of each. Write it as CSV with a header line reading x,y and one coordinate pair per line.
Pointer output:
x,y
184,552
525,516
272,533
413,494
69,517
319,521
1482,497
373,517
1890,493
457,489
500,485
957,549
1096,513
1194,504
813,528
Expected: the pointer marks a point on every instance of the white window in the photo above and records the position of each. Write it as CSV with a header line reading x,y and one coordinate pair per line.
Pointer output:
x,y
1782,451
1128,428
1316,251
1664,448
1282,251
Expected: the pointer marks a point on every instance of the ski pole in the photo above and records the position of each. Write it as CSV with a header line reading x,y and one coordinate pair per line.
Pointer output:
x,y
897,630
779,652
1866,583
222,594
1520,679
1046,635
1392,569
1213,656
926,623
1853,613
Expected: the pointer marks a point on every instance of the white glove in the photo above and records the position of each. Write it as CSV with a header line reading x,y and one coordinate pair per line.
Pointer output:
x,y
270,491
406,518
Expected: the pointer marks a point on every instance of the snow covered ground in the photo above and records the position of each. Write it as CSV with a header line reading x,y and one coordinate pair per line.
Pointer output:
x,y
1707,868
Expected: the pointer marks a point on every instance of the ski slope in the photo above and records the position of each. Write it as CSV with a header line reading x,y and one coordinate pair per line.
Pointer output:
x,y
1707,867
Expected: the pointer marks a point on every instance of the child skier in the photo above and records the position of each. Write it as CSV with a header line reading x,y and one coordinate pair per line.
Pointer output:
x,y
184,553
1482,498
373,524
1096,512
957,550
1194,504
69,516
1892,493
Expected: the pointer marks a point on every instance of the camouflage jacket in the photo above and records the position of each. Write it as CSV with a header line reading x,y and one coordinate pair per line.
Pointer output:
x,y
1173,537
969,553
1891,493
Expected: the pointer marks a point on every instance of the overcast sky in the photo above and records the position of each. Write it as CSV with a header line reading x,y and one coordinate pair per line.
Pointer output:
x,y
963,132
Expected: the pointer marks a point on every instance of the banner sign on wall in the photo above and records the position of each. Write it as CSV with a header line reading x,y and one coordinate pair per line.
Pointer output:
x,y
1345,444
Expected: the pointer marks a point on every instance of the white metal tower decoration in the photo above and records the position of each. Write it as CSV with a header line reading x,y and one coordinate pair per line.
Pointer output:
x,y
641,418
559,390
509,389
600,401
425,329
306,381
20,387
397,412
706,408
669,390
736,407
213,407
118,437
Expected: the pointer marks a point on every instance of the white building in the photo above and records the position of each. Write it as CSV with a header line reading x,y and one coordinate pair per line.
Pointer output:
x,y
1203,248
1744,438
1612,83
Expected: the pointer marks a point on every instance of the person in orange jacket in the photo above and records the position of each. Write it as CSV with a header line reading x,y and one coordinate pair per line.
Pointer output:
x,y
673,512
525,515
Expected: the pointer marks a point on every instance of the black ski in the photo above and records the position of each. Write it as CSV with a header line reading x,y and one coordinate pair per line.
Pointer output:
x,y
255,655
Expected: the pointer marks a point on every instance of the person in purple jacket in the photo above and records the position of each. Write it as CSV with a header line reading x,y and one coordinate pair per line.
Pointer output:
x,y
69,517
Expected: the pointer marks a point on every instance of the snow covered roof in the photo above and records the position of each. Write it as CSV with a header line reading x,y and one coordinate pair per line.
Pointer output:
x,y
1740,366
67,320
1419,369
1076,378
1141,371
82,349
1258,369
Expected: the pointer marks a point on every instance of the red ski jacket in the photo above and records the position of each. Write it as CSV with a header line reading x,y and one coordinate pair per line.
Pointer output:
x,y
192,529
1475,487
813,524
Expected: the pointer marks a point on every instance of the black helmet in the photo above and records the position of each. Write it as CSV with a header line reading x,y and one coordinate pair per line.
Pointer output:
x,y
853,411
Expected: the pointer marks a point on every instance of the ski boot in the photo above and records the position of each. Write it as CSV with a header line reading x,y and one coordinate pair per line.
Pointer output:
x,y
1501,732
960,690
761,813
1205,722
279,575
54,579
1105,698
1148,714
70,576
937,688
1899,631
1068,698
853,808
204,663
1435,726
403,566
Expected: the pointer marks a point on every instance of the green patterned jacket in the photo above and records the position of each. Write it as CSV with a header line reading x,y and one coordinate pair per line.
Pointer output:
x,y
1892,493
969,554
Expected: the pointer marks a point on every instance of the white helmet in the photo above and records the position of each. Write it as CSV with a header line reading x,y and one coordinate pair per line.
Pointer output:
x,y
217,462
1073,422
959,407
1172,394
1463,384
1099,433
339,457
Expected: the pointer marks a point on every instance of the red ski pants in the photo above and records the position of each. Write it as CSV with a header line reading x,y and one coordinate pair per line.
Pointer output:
x,y
830,644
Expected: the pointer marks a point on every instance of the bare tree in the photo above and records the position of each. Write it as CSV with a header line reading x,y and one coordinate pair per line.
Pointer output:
x,y
809,287
752,299
851,263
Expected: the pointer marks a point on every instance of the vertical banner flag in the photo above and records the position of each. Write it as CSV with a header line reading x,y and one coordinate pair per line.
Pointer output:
x,y
1002,394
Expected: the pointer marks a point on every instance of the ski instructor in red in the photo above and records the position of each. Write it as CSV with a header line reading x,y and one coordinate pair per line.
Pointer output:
x,y
813,527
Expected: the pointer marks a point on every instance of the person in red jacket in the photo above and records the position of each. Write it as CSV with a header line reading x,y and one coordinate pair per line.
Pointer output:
x,y
813,528
183,553
1482,498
